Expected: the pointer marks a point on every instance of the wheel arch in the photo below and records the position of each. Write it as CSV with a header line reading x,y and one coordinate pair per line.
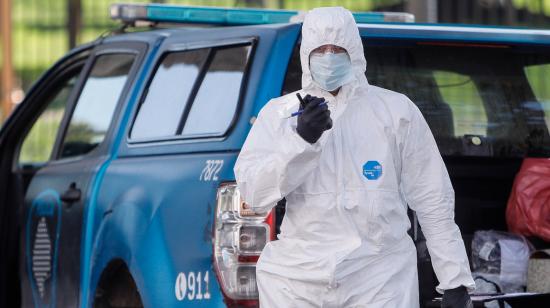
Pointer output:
x,y
116,287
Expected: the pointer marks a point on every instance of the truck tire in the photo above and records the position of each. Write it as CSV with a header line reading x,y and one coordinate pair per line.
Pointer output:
x,y
117,288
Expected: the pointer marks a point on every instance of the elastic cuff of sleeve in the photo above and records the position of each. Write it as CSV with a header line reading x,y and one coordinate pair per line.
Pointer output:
x,y
304,144
470,287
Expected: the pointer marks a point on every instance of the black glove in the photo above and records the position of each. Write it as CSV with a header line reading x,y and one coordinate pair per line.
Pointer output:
x,y
314,119
456,298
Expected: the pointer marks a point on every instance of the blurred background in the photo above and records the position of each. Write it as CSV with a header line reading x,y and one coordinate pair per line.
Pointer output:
x,y
35,33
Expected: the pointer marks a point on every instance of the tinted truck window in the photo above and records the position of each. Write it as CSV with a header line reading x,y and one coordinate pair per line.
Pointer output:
x,y
460,93
537,75
217,98
161,111
193,93
38,144
96,104
479,100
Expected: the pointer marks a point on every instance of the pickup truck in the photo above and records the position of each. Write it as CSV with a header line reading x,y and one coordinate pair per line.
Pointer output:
x,y
130,200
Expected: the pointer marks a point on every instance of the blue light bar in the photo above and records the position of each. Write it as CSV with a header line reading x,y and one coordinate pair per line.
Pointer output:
x,y
229,16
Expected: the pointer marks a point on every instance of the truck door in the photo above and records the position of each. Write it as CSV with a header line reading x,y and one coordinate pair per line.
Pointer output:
x,y
26,143
55,202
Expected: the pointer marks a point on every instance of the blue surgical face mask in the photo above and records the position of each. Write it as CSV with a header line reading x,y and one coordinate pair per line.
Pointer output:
x,y
330,70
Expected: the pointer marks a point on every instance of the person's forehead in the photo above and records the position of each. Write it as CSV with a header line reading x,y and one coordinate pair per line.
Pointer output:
x,y
329,46
326,47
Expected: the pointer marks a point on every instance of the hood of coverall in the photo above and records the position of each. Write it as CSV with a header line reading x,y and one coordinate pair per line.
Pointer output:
x,y
336,26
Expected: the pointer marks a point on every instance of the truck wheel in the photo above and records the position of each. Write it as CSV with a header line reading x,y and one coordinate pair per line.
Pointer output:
x,y
117,288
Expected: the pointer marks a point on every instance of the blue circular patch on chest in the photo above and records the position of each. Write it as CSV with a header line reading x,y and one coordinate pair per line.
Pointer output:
x,y
372,170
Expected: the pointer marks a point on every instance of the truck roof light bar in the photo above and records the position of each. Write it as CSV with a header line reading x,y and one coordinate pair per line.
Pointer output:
x,y
229,16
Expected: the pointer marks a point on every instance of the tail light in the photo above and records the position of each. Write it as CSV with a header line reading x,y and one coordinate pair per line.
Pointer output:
x,y
240,234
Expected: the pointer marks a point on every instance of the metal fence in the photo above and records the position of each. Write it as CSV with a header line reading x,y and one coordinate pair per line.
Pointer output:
x,y
43,30
530,13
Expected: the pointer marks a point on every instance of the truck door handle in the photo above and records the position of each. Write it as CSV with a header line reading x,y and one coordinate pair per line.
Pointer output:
x,y
71,195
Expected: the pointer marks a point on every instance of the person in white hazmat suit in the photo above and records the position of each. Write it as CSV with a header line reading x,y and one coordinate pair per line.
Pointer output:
x,y
348,165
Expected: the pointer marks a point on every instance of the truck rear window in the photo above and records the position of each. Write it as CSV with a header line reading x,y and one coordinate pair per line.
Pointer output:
x,y
193,93
479,100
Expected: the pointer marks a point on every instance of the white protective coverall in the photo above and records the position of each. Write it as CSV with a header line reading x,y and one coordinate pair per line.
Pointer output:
x,y
343,240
